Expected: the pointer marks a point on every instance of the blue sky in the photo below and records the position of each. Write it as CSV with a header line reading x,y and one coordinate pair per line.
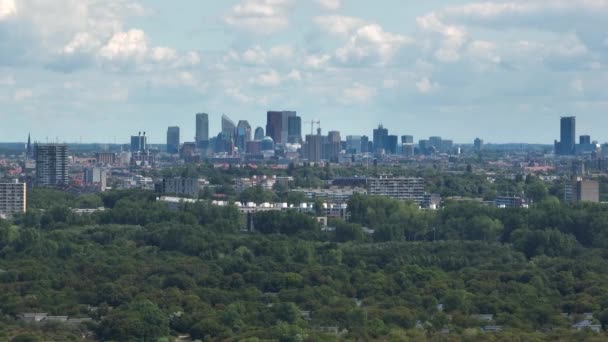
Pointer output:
x,y
99,71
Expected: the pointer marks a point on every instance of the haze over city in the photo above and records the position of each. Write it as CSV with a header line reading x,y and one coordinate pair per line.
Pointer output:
x,y
504,70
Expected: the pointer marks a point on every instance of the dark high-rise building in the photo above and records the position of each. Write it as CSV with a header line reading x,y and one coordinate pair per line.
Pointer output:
x,y
332,146
259,134
380,136
478,144
423,146
139,143
447,146
223,143
365,144
407,139
567,141
585,140
277,125
51,164
353,144
313,148
435,144
390,144
173,140
243,135
202,130
254,147
294,129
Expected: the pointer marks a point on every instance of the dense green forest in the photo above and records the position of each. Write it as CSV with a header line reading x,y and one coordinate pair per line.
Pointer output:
x,y
391,273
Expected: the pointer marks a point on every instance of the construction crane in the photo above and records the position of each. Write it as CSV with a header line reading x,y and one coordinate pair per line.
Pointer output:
x,y
312,125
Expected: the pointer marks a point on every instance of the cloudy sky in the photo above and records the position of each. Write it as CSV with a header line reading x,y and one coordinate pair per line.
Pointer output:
x,y
101,70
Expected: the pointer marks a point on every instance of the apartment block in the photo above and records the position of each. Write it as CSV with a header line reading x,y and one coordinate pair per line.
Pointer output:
x,y
13,198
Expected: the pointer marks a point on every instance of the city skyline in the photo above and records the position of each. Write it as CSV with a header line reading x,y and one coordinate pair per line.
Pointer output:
x,y
502,70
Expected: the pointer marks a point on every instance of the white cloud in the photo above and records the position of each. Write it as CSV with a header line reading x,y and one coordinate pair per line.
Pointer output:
x,y
370,44
163,54
83,42
484,51
338,25
67,35
330,4
273,78
237,94
317,61
514,11
7,8
425,86
22,94
259,16
530,18
268,79
257,56
452,38
366,43
132,44
294,75
283,52
357,94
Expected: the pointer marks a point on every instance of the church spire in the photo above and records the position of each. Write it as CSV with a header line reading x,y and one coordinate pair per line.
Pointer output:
x,y
29,145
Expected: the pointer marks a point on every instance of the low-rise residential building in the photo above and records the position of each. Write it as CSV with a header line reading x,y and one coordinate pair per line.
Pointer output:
x,y
331,195
401,188
587,324
188,187
265,182
509,202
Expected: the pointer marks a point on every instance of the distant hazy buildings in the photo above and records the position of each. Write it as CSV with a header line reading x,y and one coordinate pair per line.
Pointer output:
x,y
105,158
51,164
202,130
139,143
331,146
97,177
353,144
313,148
407,139
243,135
267,144
478,144
228,126
13,198
294,129
380,138
259,134
390,144
173,140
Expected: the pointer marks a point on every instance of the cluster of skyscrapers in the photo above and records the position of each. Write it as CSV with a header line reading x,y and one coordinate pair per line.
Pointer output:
x,y
567,145
283,135
283,127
